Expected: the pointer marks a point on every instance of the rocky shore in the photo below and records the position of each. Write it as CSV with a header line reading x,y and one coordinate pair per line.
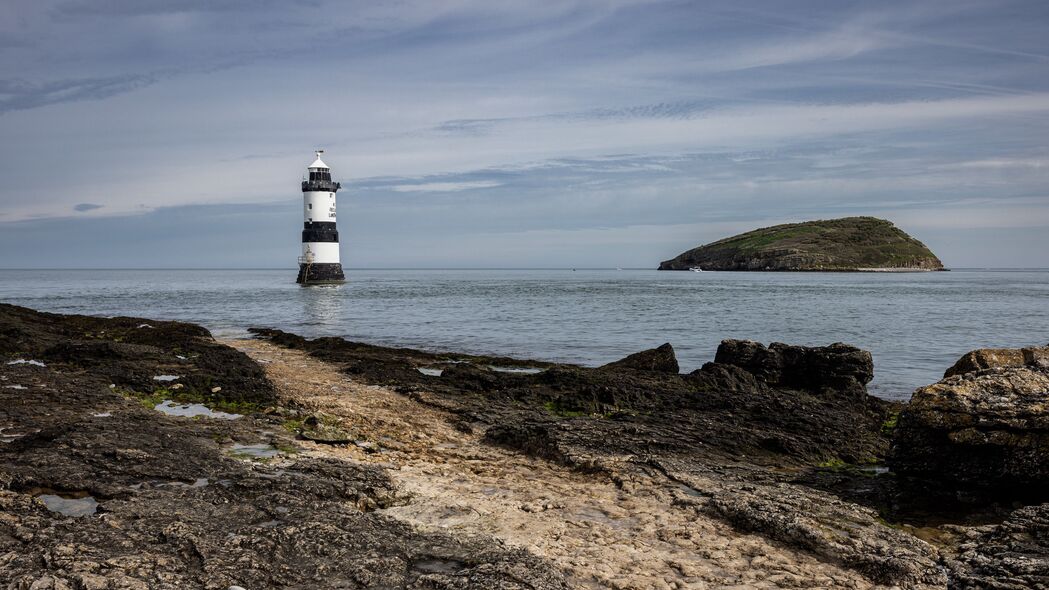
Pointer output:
x,y
145,454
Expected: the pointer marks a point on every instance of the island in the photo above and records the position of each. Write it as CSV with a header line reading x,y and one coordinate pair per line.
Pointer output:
x,y
846,244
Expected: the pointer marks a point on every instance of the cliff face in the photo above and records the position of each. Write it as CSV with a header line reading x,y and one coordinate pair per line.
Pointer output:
x,y
850,243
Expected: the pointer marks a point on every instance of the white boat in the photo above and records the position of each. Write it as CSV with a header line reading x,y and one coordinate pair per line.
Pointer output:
x,y
695,269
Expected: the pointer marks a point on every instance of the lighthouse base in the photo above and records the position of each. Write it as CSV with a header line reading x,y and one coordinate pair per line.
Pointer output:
x,y
320,273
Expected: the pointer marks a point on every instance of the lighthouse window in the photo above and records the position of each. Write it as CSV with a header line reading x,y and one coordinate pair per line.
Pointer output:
x,y
310,205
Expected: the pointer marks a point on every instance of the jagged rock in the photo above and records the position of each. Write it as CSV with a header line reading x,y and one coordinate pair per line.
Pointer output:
x,y
130,355
727,377
720,410
1013,555
176,510
661,359
986,358
840,531
987,429
837,367
532,439
1037,357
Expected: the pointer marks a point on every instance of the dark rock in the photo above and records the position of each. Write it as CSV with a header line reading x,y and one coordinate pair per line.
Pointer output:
x,y
129,352
727,378
661,359
1013,555
471,378
840,531
176,509
838,367
533,439
986,430
720,412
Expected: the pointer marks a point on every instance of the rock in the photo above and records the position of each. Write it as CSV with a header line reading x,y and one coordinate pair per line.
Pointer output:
x,y
130,357
1013,555
720,412
305,522
661,359
727,378
831,528
847,244
324,429
532,439
837,367
1037,357
985,358
985,429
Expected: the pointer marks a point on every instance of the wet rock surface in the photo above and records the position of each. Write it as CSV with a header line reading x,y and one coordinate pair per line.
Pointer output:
x,y
177,504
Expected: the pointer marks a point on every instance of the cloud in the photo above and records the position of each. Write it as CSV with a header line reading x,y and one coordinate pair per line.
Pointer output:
x,y
444,187
86,207
460,122
18,94
152,7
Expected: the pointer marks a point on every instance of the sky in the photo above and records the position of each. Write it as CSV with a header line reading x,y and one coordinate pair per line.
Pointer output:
x,y
498,133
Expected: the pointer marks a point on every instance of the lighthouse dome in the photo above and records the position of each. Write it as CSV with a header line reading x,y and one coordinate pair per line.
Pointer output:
x,y
318,163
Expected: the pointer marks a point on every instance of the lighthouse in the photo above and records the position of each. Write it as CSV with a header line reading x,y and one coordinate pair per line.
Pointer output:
x,y
319,262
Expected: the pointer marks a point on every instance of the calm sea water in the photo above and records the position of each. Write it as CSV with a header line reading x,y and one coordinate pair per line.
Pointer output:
x,y
915,325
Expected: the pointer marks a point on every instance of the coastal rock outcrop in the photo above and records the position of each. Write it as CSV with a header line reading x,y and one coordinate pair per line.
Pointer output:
x,y
985,427
778,441
838,367
100,489
133,352
1011,555
661,359
986,358
827,526
847,244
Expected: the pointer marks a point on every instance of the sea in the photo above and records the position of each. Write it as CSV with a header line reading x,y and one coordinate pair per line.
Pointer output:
x,y
914,324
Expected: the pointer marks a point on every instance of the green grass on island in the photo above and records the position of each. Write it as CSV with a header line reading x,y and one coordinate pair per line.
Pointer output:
x,y
847,244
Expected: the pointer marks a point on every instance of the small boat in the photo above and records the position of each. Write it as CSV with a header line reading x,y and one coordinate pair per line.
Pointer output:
x,y
695,269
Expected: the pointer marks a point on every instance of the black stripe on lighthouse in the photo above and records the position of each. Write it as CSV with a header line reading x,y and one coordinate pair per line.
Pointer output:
x,y
320,231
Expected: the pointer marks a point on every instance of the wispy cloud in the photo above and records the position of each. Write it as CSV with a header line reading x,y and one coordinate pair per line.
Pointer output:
x,y
443,187
598,122
21,94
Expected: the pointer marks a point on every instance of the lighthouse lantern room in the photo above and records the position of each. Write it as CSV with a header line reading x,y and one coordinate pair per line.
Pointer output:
x,y
319,263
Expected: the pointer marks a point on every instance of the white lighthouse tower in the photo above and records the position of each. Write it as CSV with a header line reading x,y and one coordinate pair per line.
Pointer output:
x,y
319,262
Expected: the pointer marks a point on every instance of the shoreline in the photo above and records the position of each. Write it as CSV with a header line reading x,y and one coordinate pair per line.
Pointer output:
x,y
461,470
